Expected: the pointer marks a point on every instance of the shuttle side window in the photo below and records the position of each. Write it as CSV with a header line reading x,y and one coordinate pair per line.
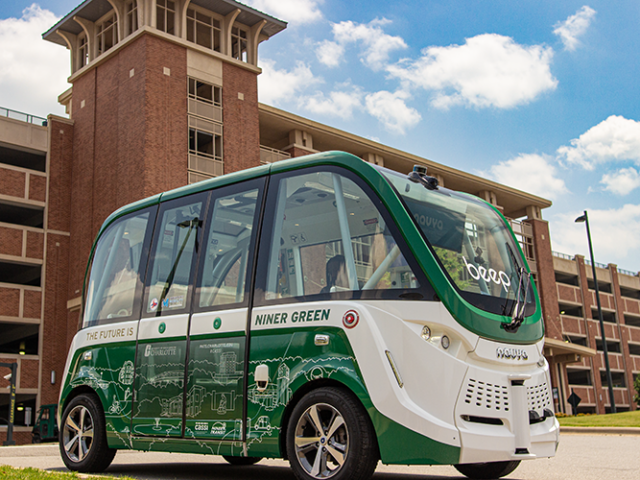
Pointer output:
x,y
329,237
175,249
117,270
229,247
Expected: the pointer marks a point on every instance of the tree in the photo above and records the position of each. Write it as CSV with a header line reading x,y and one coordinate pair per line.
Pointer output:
x,y
636,385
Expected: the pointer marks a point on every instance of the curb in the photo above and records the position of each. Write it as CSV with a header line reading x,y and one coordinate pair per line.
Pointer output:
x,y
602,430
30,450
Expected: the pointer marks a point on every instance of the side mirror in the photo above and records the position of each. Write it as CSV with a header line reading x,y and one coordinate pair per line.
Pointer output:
x,y
261,376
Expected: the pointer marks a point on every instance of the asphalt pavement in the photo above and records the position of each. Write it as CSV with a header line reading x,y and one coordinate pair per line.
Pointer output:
x,y
580,457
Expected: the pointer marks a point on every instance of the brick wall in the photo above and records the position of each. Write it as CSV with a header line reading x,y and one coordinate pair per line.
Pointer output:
x,y
12,183
166,137
55,337
130,139
10,301
37,188
546,280
10,241
241,130
298,152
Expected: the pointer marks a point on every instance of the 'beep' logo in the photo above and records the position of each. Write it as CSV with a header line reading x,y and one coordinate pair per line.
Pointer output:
x,y
488,275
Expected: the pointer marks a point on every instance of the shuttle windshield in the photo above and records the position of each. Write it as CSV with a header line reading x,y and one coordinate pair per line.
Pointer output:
x,y
473,245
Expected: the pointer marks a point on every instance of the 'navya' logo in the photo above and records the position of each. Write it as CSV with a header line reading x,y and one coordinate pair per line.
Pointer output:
x,y
511,353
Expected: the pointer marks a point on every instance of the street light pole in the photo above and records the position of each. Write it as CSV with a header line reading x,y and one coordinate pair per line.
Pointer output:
x,y
585,218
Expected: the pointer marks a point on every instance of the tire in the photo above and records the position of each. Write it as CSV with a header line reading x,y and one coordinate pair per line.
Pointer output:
x,y
487,471
241,461
329,435
36,438
83,438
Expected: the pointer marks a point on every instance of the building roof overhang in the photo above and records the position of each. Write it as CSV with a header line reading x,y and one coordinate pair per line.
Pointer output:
x,y
276,124
93,10
565,352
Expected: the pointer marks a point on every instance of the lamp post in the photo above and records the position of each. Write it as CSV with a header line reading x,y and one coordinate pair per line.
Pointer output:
x,y
585,218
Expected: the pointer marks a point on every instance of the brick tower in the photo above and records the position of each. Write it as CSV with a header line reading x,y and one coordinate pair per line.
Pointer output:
x,y
164,93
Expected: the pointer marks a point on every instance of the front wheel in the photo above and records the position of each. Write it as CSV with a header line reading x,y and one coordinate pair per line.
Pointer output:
x,y
83,438
487,471
329,435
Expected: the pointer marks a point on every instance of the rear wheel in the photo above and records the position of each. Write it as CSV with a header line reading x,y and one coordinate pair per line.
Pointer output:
x,y
487,471
329,435
240,461
83,438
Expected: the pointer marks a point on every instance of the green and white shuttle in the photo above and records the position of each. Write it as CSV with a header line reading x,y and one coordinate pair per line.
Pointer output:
x,y
320,309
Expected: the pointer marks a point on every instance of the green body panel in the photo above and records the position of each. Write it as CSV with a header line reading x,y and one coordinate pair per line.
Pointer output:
x,y
183,445
293,360
400,445
215,388
159,386
109,373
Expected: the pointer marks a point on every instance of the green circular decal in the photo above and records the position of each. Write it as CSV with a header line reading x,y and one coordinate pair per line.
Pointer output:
x,y
162,327
217,323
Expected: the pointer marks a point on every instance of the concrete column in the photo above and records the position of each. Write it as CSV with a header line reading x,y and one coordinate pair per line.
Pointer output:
x,y
623,333
593,330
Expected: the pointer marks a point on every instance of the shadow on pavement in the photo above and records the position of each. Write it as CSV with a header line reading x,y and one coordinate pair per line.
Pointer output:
x,y
204,471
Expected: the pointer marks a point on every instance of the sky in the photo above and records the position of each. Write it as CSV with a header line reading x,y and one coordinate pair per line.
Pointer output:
x,y
539,95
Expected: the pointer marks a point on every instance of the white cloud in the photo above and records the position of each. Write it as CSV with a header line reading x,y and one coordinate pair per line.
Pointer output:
x,y
489,70
614,139
276,85
330,53
295,11
377,44
621,182
27,59
573,27
614,233
337,103
391,109
530,173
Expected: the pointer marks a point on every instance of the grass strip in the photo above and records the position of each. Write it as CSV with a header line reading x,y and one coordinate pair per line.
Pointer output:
x,y
623,419
10,473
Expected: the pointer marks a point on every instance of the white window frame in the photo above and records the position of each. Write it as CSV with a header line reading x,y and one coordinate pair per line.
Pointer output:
x,y
239,36
106,27
131,17
163,5
213,29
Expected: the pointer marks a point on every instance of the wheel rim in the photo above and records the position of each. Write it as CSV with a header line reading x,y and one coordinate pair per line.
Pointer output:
x,y
77,435
321,441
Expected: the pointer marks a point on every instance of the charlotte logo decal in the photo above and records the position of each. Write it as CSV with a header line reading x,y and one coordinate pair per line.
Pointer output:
x,y
350,319
488,275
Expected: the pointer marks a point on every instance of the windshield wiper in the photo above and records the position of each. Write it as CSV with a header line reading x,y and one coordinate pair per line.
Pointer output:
x,y
524,281
517,316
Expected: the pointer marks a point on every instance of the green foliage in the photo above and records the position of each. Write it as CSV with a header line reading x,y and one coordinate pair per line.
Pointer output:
x,y
636,385
454,266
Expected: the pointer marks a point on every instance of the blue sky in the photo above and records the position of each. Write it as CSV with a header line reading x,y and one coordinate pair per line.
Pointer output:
x,y
540,95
